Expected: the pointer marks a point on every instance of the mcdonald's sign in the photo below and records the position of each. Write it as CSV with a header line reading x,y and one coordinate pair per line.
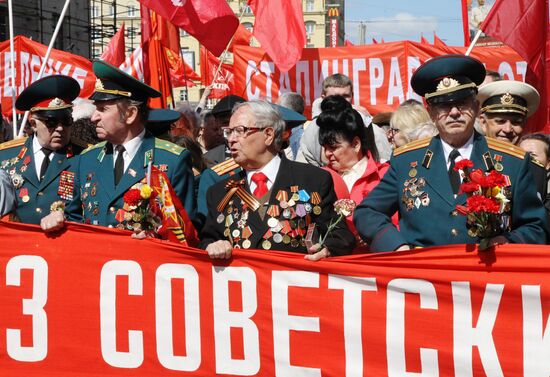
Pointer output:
x,y
333,12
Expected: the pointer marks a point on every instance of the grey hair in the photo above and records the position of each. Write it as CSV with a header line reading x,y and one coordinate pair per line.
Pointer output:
x,y
293,101
124,103
265,116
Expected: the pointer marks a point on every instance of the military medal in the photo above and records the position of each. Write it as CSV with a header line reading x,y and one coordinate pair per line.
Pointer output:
x,y
94,190
282,197
316,200
304,196
247,232
235,233
220,218
278,238
294,190
274,212
498,163
66,185
132,172
413,171
247,244
17,180
24,195
266,245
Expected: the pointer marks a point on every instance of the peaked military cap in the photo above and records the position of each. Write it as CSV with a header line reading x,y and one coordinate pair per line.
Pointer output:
x,y
291,117
113,83
226,105
160,120
508,96
448,78
51,96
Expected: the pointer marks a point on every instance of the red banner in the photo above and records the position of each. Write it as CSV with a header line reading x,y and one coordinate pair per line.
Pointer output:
x,y
28,59
95,302
380,73
221,87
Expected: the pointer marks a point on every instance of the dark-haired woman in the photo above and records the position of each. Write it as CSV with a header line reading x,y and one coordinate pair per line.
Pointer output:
x,y
350,151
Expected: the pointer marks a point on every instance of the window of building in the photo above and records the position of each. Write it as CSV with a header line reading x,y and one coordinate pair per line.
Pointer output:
x,y
131,32
310,5
247,9
183,96
111,10
188,57
183,33
310,28
248,26
95,11
131,11
96,53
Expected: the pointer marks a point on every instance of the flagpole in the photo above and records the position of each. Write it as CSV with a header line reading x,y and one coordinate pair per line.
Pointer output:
x,y
473,43
12,62
185,78
44,62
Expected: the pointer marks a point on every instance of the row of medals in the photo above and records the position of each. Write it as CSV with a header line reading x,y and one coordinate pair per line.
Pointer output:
x,y
413,187
17,179
273,223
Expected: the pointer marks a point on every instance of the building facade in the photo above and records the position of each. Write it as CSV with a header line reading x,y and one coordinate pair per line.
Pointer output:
x,y
108,15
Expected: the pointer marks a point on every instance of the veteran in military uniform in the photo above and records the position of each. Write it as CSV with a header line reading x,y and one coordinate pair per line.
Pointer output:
x,y
107,170
7,194
272,203
40,166
421,184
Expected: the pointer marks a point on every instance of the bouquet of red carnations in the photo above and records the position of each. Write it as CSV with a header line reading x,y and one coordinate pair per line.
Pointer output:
x,y
487,202
142,213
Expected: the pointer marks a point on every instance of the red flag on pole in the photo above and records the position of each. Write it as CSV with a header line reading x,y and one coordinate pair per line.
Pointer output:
x,y
212,22
523,25
115,53
347,43
374,41
284,41
224,80
242,37
424,40
438,42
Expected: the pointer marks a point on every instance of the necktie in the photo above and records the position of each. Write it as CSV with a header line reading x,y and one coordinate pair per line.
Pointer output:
x,y
119,163
260,179
454,177
45,162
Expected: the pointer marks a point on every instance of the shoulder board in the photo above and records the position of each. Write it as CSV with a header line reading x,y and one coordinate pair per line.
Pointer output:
x,y
225,167
13,143
168,146
537,162
413,145
505,147
95,146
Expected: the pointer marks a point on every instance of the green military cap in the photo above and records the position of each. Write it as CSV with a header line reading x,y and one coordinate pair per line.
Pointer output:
x,y
49,97
448,78
160,120
508,96
292,118
113,83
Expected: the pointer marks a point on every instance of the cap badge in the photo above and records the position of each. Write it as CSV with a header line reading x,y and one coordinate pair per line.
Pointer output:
x,y
447,83
507,99
99,85
56,102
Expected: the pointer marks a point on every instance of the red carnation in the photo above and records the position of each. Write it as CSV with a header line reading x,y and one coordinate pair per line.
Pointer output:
x,y
495,179
462,210
132,197
468,187
479,203
463,164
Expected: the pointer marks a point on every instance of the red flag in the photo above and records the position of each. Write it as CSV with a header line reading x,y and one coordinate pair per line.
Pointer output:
x,y
133,65
438,42
348,43
242,37
374,41
224,80
285,40
181,73
523,25
115,53
383,41
424,40
212,22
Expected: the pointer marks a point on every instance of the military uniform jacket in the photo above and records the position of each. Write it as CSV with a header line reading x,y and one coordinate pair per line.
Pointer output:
x,y
35,197
418,186
98,200
237,224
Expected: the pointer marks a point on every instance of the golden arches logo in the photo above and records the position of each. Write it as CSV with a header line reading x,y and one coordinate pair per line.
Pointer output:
x,y
333,12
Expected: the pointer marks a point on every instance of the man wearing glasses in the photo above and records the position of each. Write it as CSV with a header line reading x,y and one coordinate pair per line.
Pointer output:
x,y
40,166
422,184
273,202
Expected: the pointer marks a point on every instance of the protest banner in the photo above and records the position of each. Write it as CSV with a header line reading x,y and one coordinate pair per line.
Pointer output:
x,y
93,301
29,55
380,73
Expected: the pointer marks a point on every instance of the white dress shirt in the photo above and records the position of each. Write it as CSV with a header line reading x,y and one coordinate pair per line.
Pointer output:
x,y
131,147
38,155
270,170
352,175
465,151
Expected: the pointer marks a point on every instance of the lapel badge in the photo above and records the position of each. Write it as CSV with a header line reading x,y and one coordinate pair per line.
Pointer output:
x,y
489,164
498,163
148,157
413,171
17,180
132,172
427,160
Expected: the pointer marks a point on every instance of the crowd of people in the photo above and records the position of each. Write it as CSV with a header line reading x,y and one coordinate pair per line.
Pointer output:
x,y
259,175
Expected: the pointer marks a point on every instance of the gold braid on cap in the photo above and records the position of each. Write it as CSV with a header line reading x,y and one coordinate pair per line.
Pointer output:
x,y
55,104
448,85
101,89
506,105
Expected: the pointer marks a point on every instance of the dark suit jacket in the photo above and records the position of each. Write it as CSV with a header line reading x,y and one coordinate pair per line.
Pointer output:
x,y
309,178
436,222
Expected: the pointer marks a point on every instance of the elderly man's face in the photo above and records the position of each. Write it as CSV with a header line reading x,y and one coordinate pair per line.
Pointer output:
x,y
455,120
504,126
249,144
52,134
109,122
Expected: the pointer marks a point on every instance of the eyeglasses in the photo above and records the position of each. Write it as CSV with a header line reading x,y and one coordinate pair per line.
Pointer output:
x,y
52,123
461,105
239,131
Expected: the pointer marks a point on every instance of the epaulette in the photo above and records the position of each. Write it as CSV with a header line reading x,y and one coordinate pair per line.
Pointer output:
x,y
413,145
13,143
168,146
95,146
225,167
505,147
537,162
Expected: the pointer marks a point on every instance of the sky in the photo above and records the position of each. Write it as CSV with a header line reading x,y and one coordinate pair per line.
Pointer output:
x,y
396,20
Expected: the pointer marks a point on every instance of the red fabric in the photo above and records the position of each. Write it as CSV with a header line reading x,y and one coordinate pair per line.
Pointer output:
x,y
424,40
242,37
348,43
212,22
180,72
523,25
280,29
94,302
374,41
223,84
260,179
438,42
115,52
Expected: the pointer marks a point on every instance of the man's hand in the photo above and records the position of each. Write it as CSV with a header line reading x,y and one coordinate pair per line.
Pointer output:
x,y
498,240
219,250
144,234
54,221
315,254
